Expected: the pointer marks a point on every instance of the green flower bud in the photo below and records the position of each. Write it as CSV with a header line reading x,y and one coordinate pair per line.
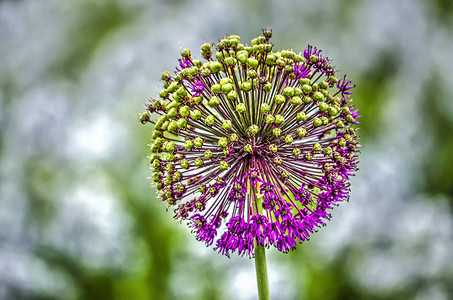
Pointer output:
x,y
144,117
159,186
296,100
288,91
277,131
230,61
270,59
202,188
324,120
270,119
185,53
323,85
333,111
208,154
205,47
169,168
273,148
267,87
240,107
156,176
214,101
328,151
216,88
252,62
350,119
289,139
251,73
307,99
314,86
170,147
198,99
323,106
342,142
308,156
209,120
188,145
306,89
327,167
198,162
279,119
181,92
182,123
317,122
234,137
157,133
246,86
226,151
339,124
177,176
314,58
195,114
198,142
281,62
215,66
301,132
317,147
265,107
254,129
184,111
173,87
172,113
205,72
225,80
219,56
227,87
248,148
212,190
172,127
297,91
227,125
242,58
296,152
317,96
279,99
165,76
301,117
278,160
184,164
163,93
223,142
170,157
304,81
232,95
180,188
223,165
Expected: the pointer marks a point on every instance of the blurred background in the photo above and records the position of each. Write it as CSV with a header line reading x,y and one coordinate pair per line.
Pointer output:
x,y
78,219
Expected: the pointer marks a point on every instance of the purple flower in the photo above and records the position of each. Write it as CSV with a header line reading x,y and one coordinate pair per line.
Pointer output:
x,y
256,146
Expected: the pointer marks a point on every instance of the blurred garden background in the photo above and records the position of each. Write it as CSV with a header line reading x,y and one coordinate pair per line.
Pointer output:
x,y
78,219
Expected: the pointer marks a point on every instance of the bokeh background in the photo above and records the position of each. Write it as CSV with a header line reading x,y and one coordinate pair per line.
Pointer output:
x,y
78,219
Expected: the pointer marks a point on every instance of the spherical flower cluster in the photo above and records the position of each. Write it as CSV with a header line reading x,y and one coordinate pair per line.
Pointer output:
x,y
251,145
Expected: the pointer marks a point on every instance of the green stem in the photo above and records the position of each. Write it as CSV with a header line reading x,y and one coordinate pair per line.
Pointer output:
x,y
260,264
261,272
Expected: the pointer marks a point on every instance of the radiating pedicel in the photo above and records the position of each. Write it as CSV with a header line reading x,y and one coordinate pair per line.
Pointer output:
x,y
252,145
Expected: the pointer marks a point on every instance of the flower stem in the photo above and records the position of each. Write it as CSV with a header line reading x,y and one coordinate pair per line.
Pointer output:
x,y
260,264
261,272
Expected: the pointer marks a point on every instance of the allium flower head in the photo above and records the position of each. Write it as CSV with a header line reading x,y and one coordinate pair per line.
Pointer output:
x,y
252,145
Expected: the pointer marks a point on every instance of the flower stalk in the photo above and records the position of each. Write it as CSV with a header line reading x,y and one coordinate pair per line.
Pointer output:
x,y
261,272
